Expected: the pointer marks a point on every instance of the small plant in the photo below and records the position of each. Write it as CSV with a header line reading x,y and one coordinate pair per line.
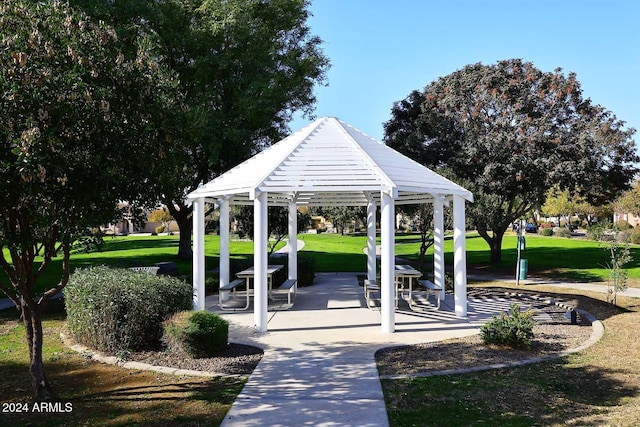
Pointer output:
x,y
196,333
160,229
563,232
617,245
546,232
514,330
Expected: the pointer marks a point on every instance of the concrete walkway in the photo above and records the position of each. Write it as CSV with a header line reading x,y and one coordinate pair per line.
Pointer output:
x,y
319,367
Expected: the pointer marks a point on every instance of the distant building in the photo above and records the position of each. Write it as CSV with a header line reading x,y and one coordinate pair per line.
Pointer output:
x,y
630,218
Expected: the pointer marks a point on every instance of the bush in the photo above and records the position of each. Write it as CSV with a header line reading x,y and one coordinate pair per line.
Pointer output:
x,y
546,232
196,333
563,232
160,229
306,270
635,237
622,225
115,310
514,330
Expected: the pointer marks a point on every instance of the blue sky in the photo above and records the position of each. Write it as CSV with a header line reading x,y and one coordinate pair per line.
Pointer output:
x,y
382,50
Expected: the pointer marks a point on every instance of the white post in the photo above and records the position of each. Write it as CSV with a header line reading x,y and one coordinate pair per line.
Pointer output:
x,y
260,263
459,257
198,254
438,244
371,239
223,204
387,267
293,241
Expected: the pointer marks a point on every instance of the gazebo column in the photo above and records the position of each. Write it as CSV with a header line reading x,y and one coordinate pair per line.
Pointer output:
x,y
459,256
260,263
223,204
438,244
371,238
387,264
293,241
198,254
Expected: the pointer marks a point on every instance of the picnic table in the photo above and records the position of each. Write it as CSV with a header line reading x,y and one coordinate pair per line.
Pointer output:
x,y
245,277
407,274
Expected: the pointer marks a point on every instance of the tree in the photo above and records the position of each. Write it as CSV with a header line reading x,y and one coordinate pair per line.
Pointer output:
x,y
77,118
509,132
559,203
343,216
162,216
277,223
244,66
629,201
617,246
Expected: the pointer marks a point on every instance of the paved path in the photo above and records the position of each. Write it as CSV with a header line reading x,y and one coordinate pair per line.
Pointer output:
x,y
319,367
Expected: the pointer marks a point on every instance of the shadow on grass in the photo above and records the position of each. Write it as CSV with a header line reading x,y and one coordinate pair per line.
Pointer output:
x,y
104,394
331,262
549,393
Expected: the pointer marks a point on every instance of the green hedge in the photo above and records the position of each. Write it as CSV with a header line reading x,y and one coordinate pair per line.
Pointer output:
x,y
116,310
196,333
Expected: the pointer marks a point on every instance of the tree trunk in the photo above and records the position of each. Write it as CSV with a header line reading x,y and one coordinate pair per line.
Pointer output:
x,y
182,216
33,326
495,245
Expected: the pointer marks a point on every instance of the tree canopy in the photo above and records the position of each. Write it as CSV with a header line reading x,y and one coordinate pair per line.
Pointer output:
x,y
508,132
244,66
77,118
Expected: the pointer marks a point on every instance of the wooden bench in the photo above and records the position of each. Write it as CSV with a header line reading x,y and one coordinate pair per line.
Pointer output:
x,y
431,288
150,270
289,287
231,288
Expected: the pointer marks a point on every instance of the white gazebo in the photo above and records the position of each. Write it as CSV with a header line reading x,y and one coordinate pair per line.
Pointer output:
x,y
330,163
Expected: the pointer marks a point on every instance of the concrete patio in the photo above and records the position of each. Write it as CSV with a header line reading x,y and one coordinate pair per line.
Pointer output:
x,y
318,366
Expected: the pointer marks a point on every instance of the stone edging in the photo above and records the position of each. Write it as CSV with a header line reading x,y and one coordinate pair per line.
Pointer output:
x,y
112,360
596,334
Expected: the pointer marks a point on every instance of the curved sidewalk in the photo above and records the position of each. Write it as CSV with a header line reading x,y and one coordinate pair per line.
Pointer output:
x,y
319,365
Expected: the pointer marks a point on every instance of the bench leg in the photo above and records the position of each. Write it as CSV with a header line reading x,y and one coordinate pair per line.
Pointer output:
x,y
233,293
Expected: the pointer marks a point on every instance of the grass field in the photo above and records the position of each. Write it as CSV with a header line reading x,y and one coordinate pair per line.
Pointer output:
x,y
561,258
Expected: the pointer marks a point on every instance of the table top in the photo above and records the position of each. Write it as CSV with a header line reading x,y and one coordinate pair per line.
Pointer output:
x,y
249,272
402,270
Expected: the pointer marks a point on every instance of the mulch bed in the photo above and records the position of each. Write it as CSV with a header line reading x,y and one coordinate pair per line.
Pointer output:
x,y
553,333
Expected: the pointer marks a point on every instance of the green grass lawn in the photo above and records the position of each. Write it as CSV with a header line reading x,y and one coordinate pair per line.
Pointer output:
x,y
556,257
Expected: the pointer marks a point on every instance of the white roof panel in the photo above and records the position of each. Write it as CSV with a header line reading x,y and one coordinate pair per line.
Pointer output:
x,y
329,162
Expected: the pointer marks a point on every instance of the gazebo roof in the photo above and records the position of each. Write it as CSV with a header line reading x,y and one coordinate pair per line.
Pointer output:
x,y
329,162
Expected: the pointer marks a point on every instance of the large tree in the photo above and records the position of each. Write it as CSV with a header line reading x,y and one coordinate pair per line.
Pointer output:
x,y
245,67
509,131
79,119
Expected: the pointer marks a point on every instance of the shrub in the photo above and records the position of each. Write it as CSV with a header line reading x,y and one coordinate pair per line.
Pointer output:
x,y
196,333
563,232
635,237
513,330
546,232
116,310
160,229
622,225
306,270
